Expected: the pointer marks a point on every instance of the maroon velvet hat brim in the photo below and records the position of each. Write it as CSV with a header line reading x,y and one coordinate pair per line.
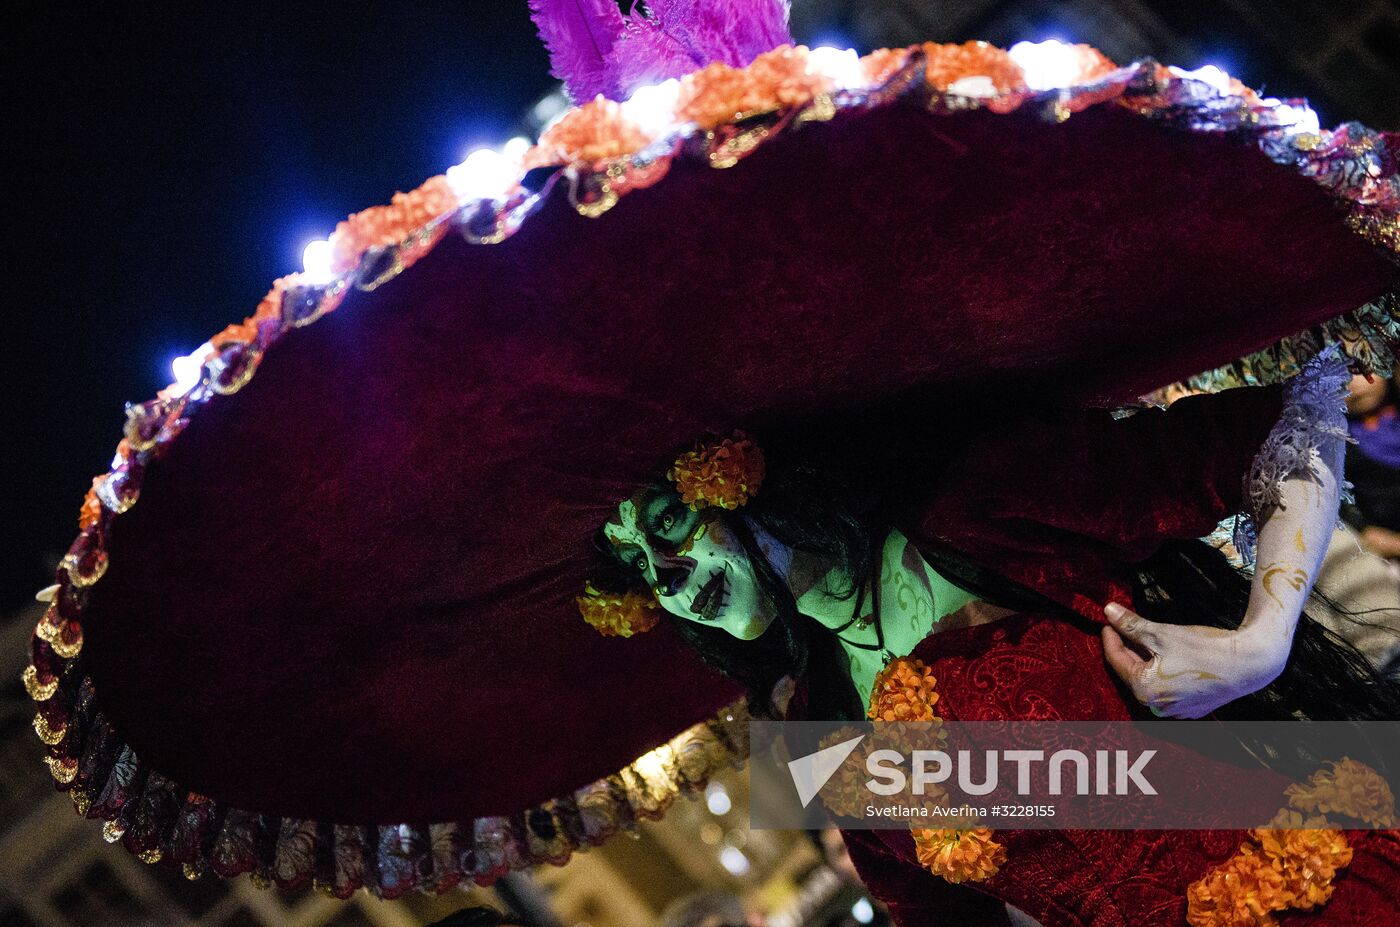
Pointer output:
x,y
346,593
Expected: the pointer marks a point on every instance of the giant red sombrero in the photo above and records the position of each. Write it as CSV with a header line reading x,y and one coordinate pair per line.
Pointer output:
x,y
320,622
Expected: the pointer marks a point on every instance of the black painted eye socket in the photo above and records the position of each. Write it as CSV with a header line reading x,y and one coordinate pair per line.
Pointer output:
x,y
668,521
641,564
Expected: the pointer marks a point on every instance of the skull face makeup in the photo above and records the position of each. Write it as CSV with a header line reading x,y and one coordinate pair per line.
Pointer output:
x,y
697,567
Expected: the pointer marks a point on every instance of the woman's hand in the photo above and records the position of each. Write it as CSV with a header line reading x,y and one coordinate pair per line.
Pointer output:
x,y
1188,671
1184,671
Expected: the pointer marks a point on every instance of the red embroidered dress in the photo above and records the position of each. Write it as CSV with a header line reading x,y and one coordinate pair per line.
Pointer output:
x,y
1065,506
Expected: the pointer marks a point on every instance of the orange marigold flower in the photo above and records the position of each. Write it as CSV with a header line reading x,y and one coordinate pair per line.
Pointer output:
x,y
1287,819
723,474
881,64
618,614
595,131
948,64
713,95
1307,860
1349,788
959,855
845,793
903,691
91,512
1278,870
244,333
718,93
389,225
1241,892
784,76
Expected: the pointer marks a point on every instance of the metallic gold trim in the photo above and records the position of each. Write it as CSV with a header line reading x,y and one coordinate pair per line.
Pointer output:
x,y
65,648
49,735
149,856
112,831
1378,230
316,313
75,574
63,771
38,691
191,871
396,267
254,357
607,198
46,630
82,801
821,109
732,150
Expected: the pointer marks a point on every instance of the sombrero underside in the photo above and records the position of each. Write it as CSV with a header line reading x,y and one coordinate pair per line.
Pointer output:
x,y
322,624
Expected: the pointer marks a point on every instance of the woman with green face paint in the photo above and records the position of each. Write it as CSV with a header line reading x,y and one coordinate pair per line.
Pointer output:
x,y
764,573
991,586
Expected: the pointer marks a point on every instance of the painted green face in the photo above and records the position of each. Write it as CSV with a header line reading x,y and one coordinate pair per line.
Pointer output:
x,y
697,567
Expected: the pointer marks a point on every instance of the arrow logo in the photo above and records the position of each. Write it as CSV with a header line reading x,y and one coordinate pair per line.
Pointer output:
x,y
811,772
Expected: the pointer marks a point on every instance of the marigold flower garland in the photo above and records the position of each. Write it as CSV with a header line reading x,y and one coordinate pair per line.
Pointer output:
x,y
717,93
381,226
784,78
595,131
1279,869
945,65
1348,788
904,691
844,793
959,855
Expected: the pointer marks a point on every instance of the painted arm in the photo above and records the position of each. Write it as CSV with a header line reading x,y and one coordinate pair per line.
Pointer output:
x,y
1189,671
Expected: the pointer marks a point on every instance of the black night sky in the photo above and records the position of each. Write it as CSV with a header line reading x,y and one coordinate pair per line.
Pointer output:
x,y
173,160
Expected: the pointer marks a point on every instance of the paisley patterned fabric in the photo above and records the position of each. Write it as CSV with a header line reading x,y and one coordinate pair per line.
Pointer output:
x,y
1116,491
1043,667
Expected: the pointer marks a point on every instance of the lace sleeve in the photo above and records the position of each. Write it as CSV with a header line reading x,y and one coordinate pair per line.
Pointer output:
x,y
1310,433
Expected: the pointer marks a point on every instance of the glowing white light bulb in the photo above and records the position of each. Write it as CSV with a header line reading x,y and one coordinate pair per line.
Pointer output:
x,y
1209,74
717,799
187,369
863,911
1047,65
1295,119
842,65
734,861
515,149
484,175
653,108
316,262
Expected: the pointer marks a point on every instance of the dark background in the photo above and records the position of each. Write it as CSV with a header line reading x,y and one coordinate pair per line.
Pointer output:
x,y
167,161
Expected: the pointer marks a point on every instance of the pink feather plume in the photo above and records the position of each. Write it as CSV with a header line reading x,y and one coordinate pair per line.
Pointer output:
x,y
594,49
580,35
732,31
